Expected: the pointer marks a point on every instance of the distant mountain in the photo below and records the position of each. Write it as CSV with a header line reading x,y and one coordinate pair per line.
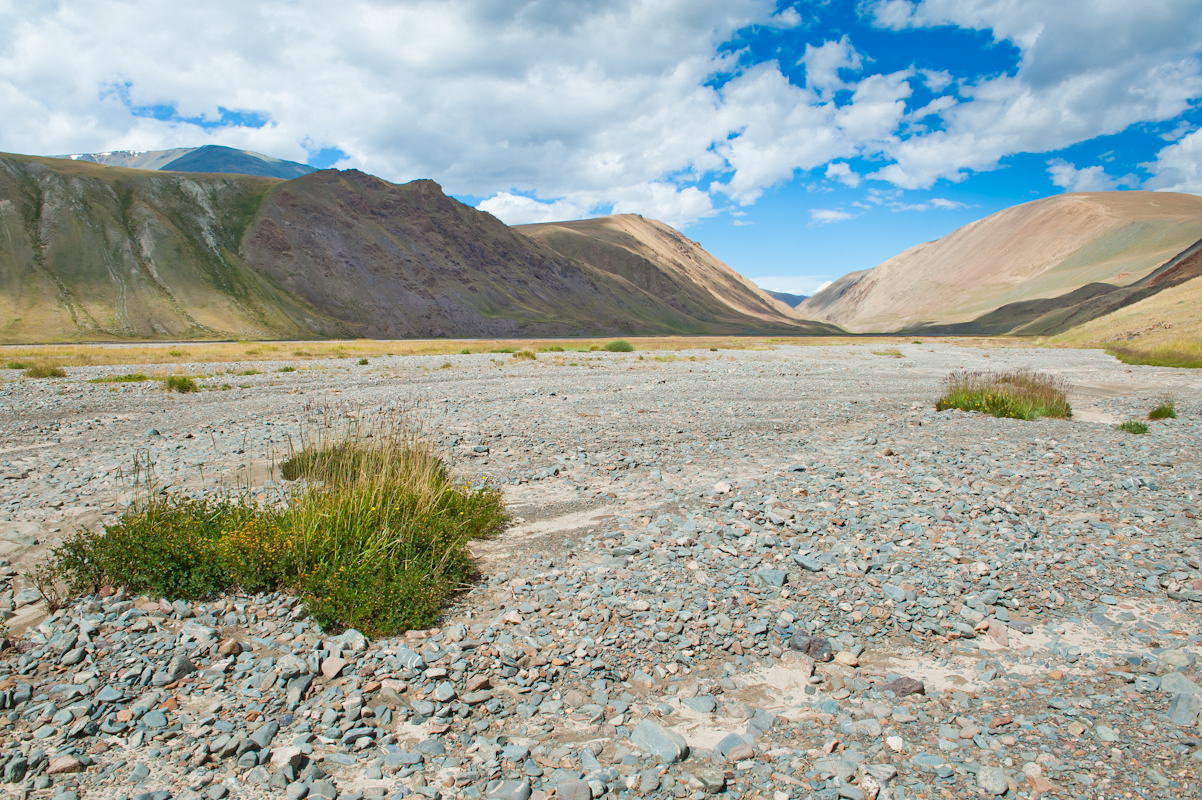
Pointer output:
x,y
209,158
1020,260
664,263
791,300
90,252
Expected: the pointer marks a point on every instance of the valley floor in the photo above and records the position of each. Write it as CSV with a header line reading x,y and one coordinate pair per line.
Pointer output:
x,y
1008,608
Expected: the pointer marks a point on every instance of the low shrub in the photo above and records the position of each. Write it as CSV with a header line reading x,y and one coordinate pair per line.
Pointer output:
x,y
175,353
363,362
1166,410
525,355
465,352
553,349
288,368
1016,394
16,365
503,350
132,377
180,383
375,538
1133,426
249,372
620,346
45,371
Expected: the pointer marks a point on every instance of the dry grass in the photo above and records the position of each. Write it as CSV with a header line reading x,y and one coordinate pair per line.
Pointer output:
x,y
1016,394
1162,330
102,354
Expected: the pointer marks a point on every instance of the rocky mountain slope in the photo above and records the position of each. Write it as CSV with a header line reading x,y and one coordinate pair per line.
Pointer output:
x,y
1031,252
95,252
210,158
660,260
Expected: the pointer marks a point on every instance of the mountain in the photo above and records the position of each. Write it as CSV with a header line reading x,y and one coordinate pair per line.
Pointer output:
x,y
210,158
1037,251
93,252
663,262
791,300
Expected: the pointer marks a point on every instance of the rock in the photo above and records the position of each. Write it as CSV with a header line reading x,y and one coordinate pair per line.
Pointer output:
x,y
1176,683
708,780
904,686
816,647
574,790
1184,709
64,765
992,780
508,790
654,738
332,667
180,667
847,659
798,662
703,703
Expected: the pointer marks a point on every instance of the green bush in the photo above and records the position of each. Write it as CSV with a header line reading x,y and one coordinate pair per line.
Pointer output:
x,y
553,349
133,377
1166,410
1134,426
1016,394
465,352
180,383
375,538
249,372
363,362
16,365
525,355
45,371
620,346
288,368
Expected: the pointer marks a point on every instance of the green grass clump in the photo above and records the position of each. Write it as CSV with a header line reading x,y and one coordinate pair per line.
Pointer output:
x,y
1133,426
1166,410
16,365
889,353
620,346
132,377
248,372
288,368
465,352
175,353
45,371
553,349
180,383
504,350
1015,394
525,355
375,538
363,362
1166,356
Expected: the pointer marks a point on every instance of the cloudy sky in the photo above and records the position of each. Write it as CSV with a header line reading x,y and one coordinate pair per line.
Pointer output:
x,y
795,140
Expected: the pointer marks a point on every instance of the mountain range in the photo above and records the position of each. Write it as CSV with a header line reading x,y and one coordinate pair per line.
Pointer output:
x,y
95,252
209,158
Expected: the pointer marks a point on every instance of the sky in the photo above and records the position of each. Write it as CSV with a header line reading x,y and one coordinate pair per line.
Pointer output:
x,y
797,141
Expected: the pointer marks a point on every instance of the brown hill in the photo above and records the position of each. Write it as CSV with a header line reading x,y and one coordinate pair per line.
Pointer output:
x,y
95,252
1036,251
665,263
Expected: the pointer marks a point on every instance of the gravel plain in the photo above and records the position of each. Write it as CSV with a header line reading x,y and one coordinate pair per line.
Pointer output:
x,y
764,573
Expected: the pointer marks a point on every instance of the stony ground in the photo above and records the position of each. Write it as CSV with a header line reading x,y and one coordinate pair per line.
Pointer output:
x,y
775,574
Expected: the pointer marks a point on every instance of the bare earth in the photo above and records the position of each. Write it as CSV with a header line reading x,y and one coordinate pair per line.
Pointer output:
x,y
684,523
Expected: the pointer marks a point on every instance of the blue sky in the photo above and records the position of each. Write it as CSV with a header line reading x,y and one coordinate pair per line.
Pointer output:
x,y
795,140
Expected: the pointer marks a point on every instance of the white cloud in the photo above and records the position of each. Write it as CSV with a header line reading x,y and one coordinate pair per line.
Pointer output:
x,y
825,216
1087,69
555,108
842,172
1087,179
1178,167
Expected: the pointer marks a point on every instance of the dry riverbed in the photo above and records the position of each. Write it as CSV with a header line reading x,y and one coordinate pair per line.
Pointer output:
x,y
773,573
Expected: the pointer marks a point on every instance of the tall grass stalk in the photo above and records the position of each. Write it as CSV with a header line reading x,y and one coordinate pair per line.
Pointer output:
x,y
1016,394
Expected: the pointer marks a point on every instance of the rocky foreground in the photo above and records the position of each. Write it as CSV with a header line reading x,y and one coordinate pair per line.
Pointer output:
x,y
775,574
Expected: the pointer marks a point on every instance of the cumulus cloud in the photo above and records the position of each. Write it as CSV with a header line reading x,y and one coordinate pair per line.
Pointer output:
x,y
825,216
550,108
1178,167
1086,69
842,172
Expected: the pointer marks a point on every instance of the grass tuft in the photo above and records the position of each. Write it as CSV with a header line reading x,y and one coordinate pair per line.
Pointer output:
x,y
1166,410
525,355
555,348
1015,394
375,538
889,353
16,365
288,368
132,377
180,383
1134,426
363,362
620,346
45,371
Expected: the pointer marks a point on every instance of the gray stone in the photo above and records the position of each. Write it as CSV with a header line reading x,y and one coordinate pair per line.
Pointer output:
x,y
1184,709
992,780
703,703
509,790
573,790
180,667
658,740
1176,683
